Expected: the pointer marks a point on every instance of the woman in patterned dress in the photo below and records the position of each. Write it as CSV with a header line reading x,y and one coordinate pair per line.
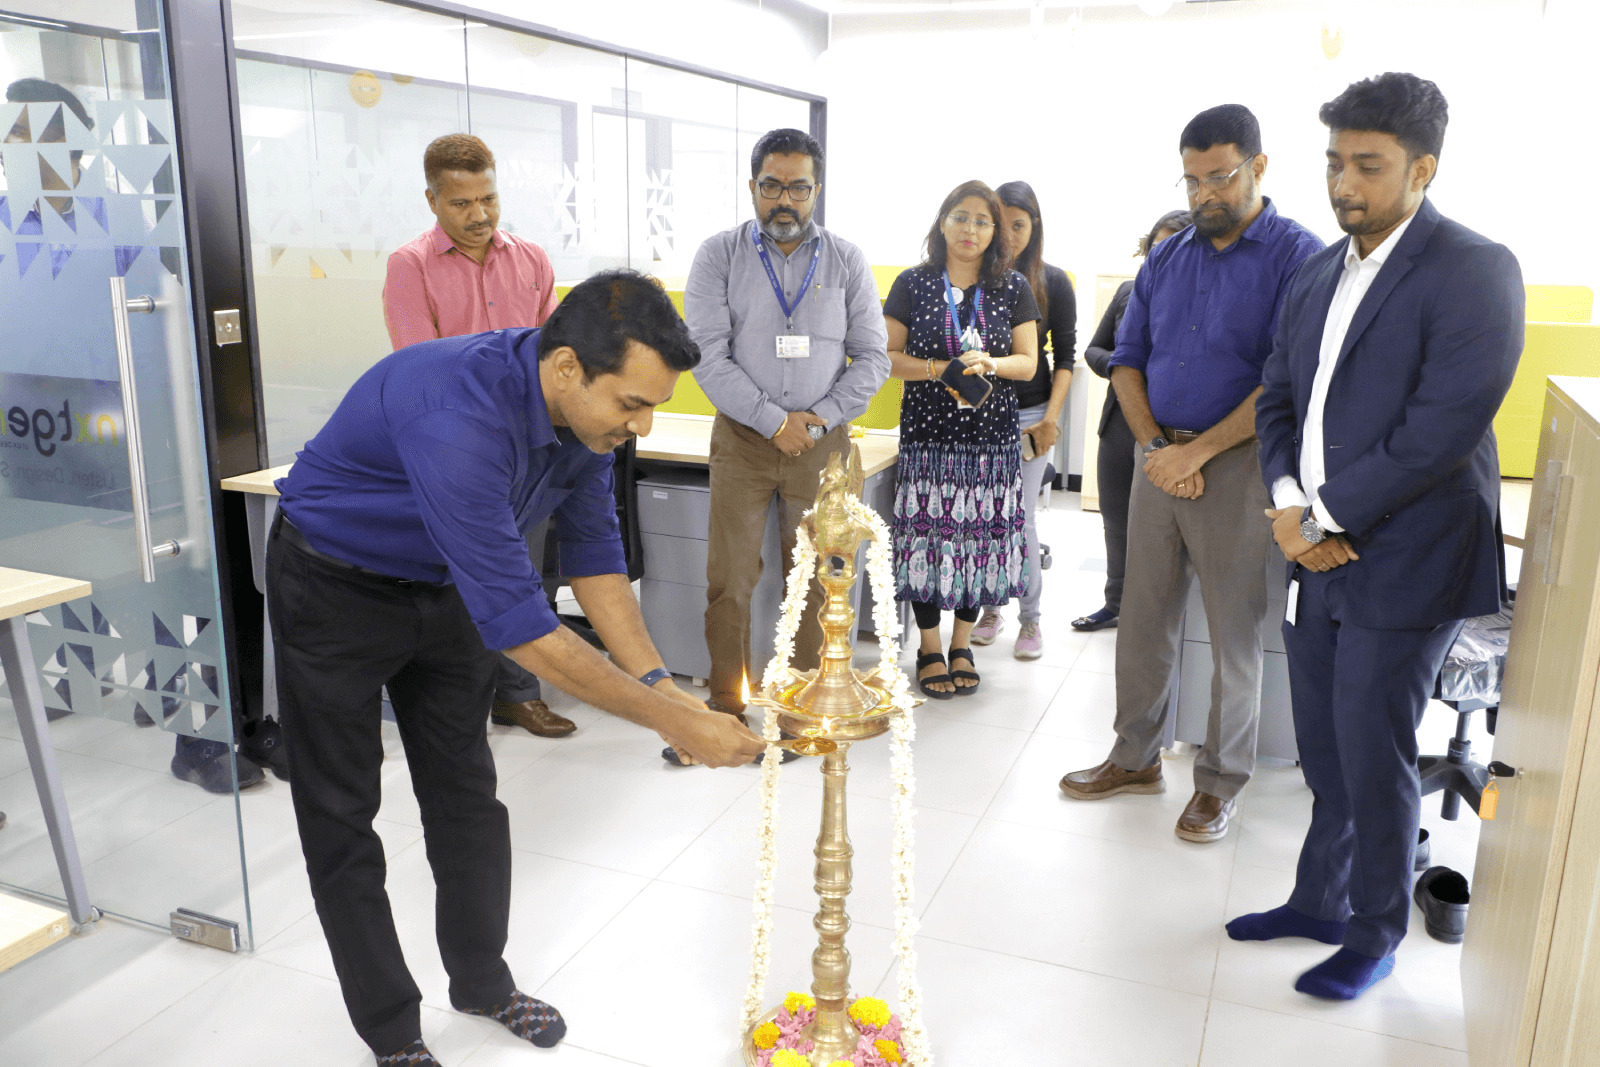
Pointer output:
x,y
958,512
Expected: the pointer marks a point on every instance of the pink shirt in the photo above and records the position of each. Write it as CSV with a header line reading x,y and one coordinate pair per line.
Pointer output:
x,y
433,289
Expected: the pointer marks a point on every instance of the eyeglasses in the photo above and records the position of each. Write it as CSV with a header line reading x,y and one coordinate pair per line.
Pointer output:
x,y
959,219
1218,182
798,191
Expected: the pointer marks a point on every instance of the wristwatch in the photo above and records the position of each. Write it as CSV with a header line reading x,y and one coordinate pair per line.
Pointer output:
x,y
1157,442
650,678
1310,528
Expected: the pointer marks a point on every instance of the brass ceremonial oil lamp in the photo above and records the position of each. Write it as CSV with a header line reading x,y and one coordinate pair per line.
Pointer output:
x,y
825,711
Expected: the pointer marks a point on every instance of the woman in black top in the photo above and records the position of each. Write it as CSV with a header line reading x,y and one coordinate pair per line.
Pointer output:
x,y
1116,464
958,512
1040,398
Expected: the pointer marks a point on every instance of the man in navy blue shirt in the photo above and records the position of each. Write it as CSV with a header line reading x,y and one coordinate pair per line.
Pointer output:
x,y
1187,371
398,560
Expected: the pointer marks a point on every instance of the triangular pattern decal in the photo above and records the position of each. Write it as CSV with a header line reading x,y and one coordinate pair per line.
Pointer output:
x,y
85,656
163,635
70,620
193,627
102,625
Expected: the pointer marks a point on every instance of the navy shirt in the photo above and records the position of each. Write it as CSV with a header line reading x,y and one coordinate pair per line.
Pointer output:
x,y
435,464
1200,322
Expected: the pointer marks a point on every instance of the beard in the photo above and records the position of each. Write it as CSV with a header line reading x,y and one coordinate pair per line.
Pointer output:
x,y
1215,223
1371,221
783,224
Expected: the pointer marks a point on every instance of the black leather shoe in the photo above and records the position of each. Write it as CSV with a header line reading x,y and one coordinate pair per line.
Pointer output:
x,y
262,743
1424,853
1442,894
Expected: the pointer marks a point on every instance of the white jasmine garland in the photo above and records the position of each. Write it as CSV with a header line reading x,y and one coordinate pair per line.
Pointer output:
x,y
777,673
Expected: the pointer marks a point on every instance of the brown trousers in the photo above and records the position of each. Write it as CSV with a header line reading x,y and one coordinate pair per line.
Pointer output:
x,y
746,470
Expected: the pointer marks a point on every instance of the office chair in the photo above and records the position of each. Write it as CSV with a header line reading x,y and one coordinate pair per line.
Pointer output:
x,y
1469,681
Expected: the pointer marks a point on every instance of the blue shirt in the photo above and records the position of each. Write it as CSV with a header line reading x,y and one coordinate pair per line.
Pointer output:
x,y
437,461
1200,322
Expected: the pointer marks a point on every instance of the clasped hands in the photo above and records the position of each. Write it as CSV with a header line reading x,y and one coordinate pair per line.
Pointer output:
x,y
793,438
1333,552
1175,469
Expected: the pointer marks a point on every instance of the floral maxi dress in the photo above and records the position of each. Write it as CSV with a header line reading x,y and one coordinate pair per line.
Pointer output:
x,y
958,524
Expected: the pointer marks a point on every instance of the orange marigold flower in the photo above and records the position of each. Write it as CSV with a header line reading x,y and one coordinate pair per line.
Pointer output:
x,y
888,1050
788,1057
766,1035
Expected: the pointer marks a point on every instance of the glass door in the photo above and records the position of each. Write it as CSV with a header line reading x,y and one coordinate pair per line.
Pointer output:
x,y
103,475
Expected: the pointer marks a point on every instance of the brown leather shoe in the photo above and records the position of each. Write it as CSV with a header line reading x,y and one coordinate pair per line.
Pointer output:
x,y
717,704
1107,780
533,716
1206,818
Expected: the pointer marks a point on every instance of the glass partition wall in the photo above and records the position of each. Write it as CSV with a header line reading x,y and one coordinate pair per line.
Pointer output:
x,y
604,160
95,309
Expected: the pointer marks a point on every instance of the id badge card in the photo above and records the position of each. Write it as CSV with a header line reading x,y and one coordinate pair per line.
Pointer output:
x,y
794,346
1294,601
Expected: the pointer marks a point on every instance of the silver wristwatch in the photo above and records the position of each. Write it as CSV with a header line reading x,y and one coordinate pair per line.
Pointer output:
x,y
1155,444
1310,528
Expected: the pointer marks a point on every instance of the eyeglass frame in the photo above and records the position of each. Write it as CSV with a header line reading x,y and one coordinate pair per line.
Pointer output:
x,y
978,224
787,187
1217,182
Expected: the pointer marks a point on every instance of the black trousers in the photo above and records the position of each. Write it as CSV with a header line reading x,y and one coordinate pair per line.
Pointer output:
x,y
1115,469
341,636
1358,697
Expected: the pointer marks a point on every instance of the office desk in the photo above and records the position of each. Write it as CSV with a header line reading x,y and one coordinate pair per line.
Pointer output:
x,y
22,592
677,451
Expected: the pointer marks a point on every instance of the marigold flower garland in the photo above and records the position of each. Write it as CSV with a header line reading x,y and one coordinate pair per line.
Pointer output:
x,y
910,1031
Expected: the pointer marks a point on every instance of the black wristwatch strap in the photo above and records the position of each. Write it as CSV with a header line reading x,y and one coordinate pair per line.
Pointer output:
x,y
652,677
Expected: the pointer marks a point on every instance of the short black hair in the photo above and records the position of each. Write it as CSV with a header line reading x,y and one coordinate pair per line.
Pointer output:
x,y
39,91
786,142
1232,124
1411,108
603,313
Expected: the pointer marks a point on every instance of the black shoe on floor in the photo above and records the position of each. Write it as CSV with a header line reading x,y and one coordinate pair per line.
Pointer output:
x,y
205,764
1100,620
1443,895
1424,853
262,743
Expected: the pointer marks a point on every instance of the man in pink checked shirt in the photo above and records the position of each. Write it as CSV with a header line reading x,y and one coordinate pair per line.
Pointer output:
x,y
465,276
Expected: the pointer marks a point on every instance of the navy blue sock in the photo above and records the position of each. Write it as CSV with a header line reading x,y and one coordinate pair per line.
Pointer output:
x,y
1286,922
1345,975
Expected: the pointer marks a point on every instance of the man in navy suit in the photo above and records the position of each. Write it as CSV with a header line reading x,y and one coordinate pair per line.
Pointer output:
x,y
1394,351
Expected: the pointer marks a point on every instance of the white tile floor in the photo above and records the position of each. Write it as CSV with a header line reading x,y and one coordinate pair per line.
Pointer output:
x,y
1053,931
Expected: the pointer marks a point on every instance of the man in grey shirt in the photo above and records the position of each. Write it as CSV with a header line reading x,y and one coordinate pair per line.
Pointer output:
x,y
792,347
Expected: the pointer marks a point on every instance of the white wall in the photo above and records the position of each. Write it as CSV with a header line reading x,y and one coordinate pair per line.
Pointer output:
x,y
1090,112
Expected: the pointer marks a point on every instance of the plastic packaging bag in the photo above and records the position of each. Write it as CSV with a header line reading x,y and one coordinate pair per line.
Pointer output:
x,y
1477,661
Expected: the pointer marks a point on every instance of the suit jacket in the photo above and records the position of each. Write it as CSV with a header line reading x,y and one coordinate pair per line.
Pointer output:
x,y
1413,473
1103,345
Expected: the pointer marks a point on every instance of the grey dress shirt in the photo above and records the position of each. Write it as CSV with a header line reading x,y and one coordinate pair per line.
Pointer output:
x,y
735,318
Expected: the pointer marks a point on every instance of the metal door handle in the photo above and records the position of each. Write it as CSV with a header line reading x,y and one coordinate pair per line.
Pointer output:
x,y
121,305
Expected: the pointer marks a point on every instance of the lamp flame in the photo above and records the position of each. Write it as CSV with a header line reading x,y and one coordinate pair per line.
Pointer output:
x,y
744,689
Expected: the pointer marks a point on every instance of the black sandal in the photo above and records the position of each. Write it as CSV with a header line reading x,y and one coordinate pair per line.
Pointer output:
x,y
922,683
965,690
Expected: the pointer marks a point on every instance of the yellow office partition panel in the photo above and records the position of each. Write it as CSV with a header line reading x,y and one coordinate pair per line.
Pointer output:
x,y
883,413
1559,303
1550,348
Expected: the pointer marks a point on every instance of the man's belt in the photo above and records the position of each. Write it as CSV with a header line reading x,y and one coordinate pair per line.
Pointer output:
x,y
1178,437
291,533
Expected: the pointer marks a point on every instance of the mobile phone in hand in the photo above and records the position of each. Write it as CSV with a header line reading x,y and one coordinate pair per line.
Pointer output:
x,y
1029,451
972,388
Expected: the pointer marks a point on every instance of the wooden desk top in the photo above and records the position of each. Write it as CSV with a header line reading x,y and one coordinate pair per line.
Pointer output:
x,y
25,591
673,439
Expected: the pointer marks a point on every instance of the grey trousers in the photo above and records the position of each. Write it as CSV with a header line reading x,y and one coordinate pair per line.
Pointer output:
x,y
1222,538
1032,482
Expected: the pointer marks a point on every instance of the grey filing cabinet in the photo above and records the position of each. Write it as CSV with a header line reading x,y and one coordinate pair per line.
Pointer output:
x,y
1192,694
674,526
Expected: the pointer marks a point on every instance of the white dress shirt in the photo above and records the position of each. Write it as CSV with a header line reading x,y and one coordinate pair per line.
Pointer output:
x,y
1353,285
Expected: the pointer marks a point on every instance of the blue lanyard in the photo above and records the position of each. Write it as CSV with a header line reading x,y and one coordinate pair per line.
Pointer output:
x,y
952,319
772,275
